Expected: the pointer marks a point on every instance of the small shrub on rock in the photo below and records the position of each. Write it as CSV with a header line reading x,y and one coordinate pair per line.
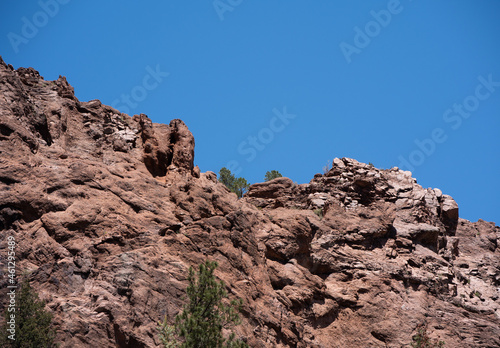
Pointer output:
x,y
422,340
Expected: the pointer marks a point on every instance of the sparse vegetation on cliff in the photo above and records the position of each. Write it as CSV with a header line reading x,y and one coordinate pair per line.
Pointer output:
x,y
422,340
234,184
273,174
205,315
27,323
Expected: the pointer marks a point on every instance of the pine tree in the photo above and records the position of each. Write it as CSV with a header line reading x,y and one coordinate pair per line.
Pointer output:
x,y
226,177
236,185
32,322
273,174
205,315
240,187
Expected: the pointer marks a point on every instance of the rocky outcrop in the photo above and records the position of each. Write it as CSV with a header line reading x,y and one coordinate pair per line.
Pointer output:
x,y
172,149
109,212
424,216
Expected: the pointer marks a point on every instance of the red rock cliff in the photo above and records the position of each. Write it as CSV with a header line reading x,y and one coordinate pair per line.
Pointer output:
x,y
109,213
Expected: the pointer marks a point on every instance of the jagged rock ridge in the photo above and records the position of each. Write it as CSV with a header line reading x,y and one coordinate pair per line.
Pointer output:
x,y
109,212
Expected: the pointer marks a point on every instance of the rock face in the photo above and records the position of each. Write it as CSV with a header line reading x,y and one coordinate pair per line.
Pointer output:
x,y
109,213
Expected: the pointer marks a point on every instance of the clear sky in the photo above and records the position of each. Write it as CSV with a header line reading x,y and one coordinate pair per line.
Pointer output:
x,y
290,85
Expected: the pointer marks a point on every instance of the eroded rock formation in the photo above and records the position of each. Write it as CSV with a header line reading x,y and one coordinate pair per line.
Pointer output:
x,y
109,213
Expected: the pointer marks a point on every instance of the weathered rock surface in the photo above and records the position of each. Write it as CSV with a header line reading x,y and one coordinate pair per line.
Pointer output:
x,y
109,212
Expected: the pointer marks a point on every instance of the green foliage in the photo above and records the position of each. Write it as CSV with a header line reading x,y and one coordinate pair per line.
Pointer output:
x,y
240,187
273,174
236,185
32,322
319,212
226,177
167,335
422,340
205,315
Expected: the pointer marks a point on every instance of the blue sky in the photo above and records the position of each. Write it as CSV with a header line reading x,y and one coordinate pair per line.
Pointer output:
x,y
290,85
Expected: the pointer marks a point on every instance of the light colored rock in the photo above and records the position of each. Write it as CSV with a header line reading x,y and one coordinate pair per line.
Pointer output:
x,y
420,232
338,162
449,207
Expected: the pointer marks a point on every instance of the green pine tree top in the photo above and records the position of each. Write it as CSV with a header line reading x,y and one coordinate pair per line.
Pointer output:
x,y
236,185
273,174
205,315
